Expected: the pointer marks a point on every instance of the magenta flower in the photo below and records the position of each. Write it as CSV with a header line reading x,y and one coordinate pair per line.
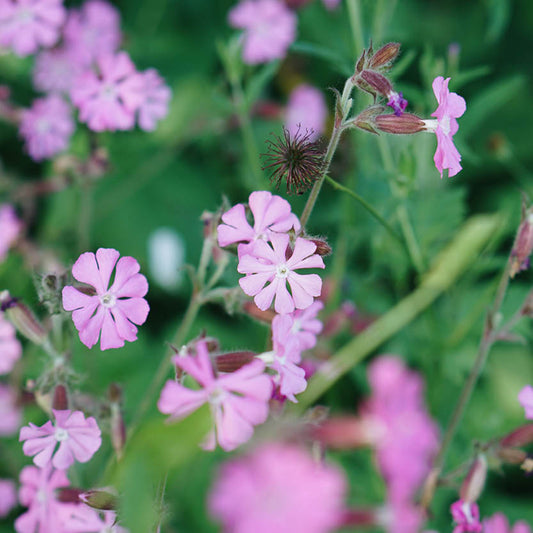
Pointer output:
x,y
238,401
10,227
114,310
498,523
47,127
272,214
83,519
397,102
108,100
10,412
278,487
525,397
269,29
306,326
38,493
10,348
26,25
306,110
451,106
55,70
78,438
268,265
156,97
8,496
466,517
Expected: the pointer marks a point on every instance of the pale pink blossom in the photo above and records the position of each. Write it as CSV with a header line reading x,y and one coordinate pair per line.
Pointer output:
x,y
525,397
114,310
156,97
27,25
8,496
55,70
10,348
306,111
108,100
78,439
238,401
268,271
498,523
272,214
451,106
10,412
83,519
306,326
331,4
38,492
269,29
466,517
47,127
10,227
278,488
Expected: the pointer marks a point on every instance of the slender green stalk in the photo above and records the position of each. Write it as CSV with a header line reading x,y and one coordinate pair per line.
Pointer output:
x,y
410,239
85,214
355,17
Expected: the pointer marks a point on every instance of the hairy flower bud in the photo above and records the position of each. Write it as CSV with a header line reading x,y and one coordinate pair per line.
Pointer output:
x,y
60,401
400,125
474,481
322,247
229,362
386,54
118,427
523,245
344,433
252,310
102,500
377,82
513,456
22,318
521,436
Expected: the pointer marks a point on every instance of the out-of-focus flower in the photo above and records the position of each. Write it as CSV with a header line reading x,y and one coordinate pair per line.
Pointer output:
x,y
166,255
269,29
280,488
10,348
525,397
306,326
401,516
55,70
26,25
267,272
306,110
451,106
78,438
47,127
114,310
38,493
10,413
498,523
10,227
156,96
82,519
8,496
331,4
238,400
466,517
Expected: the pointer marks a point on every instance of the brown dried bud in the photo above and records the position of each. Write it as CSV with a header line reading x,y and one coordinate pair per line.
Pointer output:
x,y
263,316
322,247
386,54
405,124
60,401
523,245
513,456
230,362
376,82
100,499
474,481
22,318
521,436
344,433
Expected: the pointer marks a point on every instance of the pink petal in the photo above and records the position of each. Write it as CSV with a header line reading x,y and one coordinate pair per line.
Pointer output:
x,y
284,303
135,309
179,401
110,337
264,298
107,259
91,331
253,283
85,270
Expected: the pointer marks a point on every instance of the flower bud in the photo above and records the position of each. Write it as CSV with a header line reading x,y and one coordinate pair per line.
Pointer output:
x,y
49,287
361,518
22,318
252,310
521,436
102,500
230,362
342,433
474,481
405,124
60,401
523,245
376,82
118,427
513,456
69,495
386,54
322,247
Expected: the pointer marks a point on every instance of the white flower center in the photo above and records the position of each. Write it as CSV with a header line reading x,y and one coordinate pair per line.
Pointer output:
x,y
61,434
108,92
108,300
43,125
41,496
282,271
296,326
25,15
217,396
445,125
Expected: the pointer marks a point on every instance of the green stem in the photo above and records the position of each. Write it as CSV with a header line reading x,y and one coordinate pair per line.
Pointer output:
x,y
85,213
410,239
354,15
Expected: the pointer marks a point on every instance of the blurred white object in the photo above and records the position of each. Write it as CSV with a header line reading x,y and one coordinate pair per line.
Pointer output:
x,y
166,255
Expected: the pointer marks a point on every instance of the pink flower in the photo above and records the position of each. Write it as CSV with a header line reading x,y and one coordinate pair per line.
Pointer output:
x,y
156,96
397,102
238,401
525,397
83,519
112,310
269,29
10,227
25,25
278,487
306,326
108,100
8,496
466,517
55,70
331,4
498,523
93,30
10,348
268,271
78,438
38,493
306,110
272,214
47,127
451,106
10,412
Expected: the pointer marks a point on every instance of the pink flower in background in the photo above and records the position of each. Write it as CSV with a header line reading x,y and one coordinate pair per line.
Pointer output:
x,y
498,523
83,519
10,227
93,30
306,326
38,493
278,487
8,496
306,110
47,127
238,400
10,348
331,4
114,310
466,517
55,70
156,96
451,106
272,214
26,25
108,100
268,271
10,412
269,29
525,397
78,438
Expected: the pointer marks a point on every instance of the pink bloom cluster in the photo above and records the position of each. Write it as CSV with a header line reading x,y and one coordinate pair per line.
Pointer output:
x,y
10,348
278,487
108,313
466,517
498,523
238,400
525,397
306,111
269,29
10,227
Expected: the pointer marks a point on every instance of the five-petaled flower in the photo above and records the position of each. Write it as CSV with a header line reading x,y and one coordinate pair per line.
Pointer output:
x,y
112,310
